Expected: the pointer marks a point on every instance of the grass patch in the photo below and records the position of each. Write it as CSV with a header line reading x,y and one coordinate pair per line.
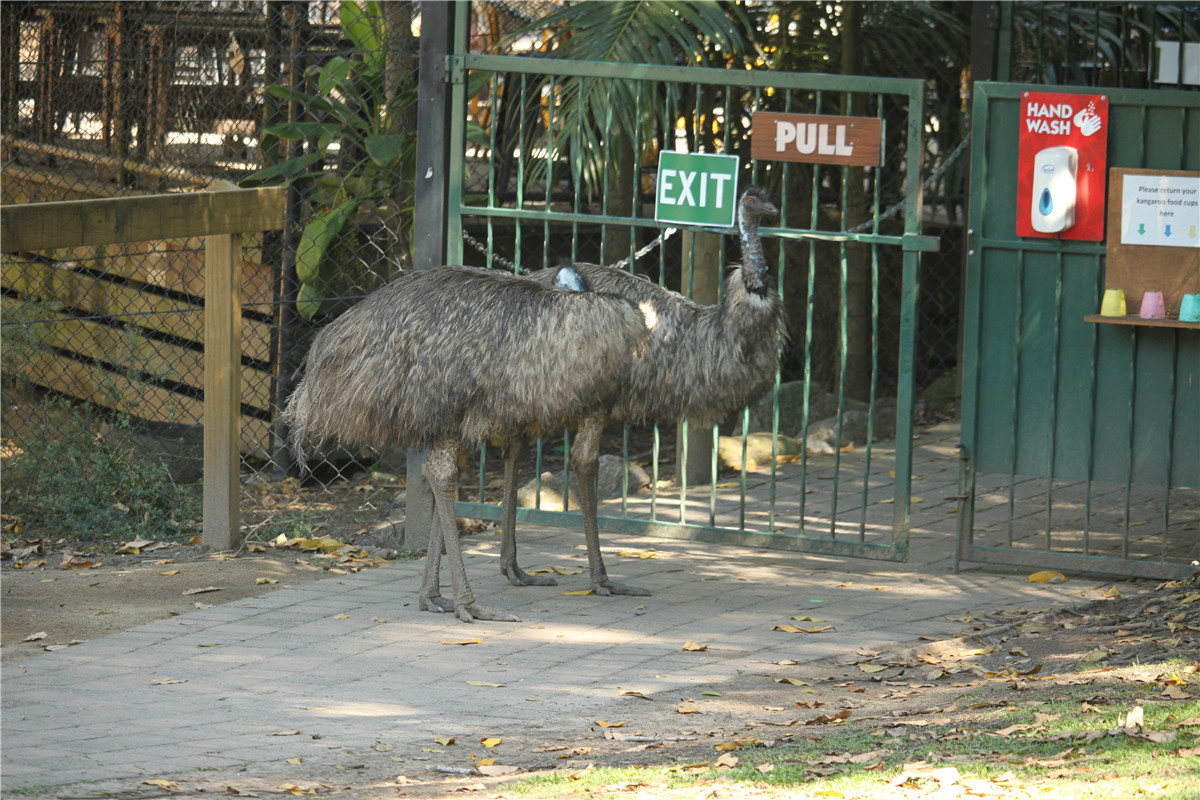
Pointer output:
x,y
1109,740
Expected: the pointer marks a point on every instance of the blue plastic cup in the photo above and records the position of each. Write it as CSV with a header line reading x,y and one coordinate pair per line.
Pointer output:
x,y
1189,309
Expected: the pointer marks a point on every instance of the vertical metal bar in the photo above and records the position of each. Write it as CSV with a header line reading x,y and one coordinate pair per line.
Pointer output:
x,y
980,165
810,308
1016,390
522,141
1058,286
910,287
1133,393
1170,454
1091,443
862,522
437,220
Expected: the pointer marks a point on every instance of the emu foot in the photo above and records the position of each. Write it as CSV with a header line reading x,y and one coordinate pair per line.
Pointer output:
x,y
607,587
436,603
519,577
473,611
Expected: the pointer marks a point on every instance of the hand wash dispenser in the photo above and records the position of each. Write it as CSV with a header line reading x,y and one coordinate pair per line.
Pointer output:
x,y
1053,207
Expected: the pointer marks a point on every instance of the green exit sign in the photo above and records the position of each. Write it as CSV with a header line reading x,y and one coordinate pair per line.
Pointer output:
x,y
696,189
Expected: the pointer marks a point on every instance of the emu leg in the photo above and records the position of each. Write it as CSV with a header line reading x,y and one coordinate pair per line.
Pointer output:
x,y
442,467
514,447
585,457
430,596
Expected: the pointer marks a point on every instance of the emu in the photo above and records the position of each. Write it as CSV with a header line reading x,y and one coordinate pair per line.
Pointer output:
x,y
450,357
702,363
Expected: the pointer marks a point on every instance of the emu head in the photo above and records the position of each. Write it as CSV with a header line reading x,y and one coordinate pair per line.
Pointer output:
x,y
756,203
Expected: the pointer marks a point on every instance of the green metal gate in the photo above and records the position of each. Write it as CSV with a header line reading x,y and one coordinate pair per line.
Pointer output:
x,y
1100,420
529,188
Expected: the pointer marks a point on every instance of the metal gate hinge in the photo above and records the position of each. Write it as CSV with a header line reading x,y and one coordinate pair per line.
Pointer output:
x,y
456,71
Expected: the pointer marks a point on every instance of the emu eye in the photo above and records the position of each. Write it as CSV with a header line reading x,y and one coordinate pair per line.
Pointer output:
x,y
749,201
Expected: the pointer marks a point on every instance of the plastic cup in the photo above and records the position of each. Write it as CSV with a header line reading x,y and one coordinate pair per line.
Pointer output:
x,y
1189,309
1152,306
1113,304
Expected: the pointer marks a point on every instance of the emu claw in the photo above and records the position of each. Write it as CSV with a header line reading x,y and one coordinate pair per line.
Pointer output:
x,y
473,611
519,577
607,588
437,604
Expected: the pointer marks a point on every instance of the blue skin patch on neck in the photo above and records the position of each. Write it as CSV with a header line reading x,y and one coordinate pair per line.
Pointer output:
x,y
568,278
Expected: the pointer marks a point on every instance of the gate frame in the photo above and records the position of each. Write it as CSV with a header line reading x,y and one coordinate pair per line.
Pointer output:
x,y
912,243
972,322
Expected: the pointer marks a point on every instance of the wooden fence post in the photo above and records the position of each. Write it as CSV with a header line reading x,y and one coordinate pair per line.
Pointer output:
x,y
222,390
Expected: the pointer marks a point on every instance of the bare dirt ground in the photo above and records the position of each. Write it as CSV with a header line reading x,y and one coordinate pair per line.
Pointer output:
x,y
1147,635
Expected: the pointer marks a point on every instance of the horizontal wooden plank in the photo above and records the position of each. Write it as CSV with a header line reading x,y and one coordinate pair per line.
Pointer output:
x,y
1134,319
78,223
112,390
126,347
58,282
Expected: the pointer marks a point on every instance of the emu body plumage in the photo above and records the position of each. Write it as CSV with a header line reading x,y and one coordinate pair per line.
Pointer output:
x,y
449,357
701,363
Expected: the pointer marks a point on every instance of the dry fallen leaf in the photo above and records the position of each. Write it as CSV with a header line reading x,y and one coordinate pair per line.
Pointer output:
x,y
33,637
189,592
632,693
485,683
161,783
711,693
694,647
263,581
1046,576
786,628
579,593
444,741
639,554
792,681
737,744
166,681
294,789
297,761
463,641
604,724
490,741
686,710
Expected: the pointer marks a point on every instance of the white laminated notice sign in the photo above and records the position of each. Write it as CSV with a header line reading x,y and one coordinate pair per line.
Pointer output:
x,y
1161,210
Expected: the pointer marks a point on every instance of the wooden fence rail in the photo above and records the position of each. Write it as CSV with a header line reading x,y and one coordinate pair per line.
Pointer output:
x,y
221,216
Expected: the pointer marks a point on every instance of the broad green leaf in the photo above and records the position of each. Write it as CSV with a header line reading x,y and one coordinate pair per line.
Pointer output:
x,y
285,170
386,149
308,301
317,235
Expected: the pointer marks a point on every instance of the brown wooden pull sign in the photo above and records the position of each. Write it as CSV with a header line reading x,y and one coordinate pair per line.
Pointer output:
x,y
817,139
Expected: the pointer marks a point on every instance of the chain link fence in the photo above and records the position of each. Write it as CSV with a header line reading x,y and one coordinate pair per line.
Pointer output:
x,y
103,347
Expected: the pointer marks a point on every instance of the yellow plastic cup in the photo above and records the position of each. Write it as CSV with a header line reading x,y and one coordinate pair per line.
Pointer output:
x,y
1113,304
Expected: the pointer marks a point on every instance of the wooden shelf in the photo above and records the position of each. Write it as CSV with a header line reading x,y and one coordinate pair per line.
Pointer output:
x,y
1134,319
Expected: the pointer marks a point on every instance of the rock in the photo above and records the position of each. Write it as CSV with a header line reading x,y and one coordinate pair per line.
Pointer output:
x,y
608,485
941,396
854,427
821,404
758,451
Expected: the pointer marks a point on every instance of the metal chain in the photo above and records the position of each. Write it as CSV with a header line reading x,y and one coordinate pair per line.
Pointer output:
x,y
669,232
937,173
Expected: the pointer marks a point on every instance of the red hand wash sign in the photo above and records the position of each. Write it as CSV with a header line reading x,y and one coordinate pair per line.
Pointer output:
x,y
1061,165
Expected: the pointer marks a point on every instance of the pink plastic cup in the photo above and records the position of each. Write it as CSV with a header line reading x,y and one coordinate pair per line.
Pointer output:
x,y
1152,306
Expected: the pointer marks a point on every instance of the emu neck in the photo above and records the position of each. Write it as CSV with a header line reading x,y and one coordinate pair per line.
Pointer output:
x,y
754,263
